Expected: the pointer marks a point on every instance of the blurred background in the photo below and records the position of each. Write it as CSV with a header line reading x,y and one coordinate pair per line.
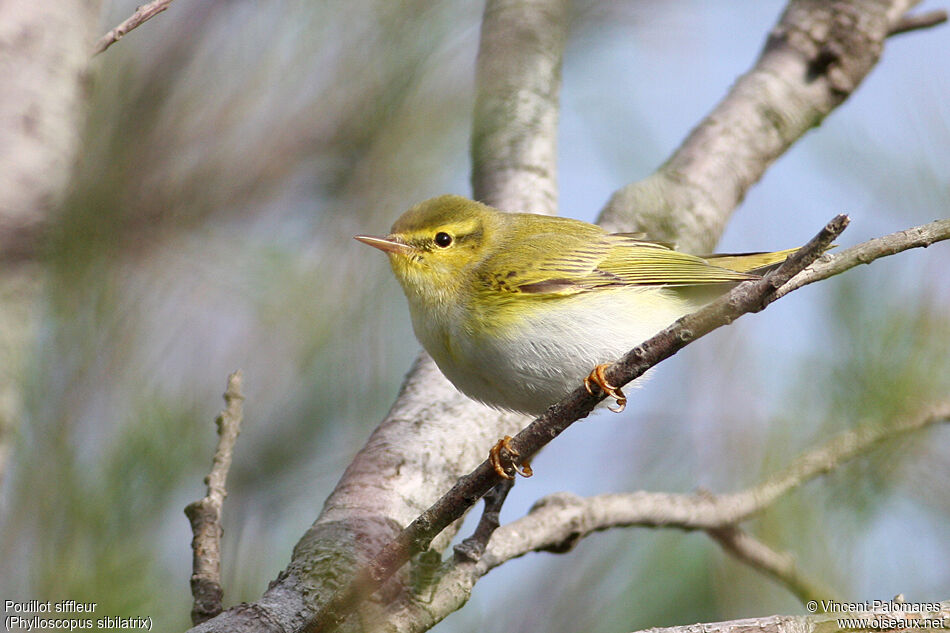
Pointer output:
x,y
234,148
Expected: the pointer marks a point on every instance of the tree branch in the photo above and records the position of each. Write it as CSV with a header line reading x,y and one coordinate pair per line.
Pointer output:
x,y
558,522
205,514
806,623
865,253
920,21
45,62
142,14
474,546
814,58
780,566
514,133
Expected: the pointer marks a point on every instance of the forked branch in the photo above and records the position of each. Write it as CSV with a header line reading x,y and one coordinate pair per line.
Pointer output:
x,y
205,514
556,523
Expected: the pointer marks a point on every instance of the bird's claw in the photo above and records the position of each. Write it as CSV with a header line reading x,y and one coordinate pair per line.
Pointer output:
x,y
502,457
597,377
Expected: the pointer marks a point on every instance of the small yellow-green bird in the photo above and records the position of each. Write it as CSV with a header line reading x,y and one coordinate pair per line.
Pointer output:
x,y
517,309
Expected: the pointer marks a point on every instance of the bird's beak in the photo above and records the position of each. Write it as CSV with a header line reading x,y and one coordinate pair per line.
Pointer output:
x,y
387,244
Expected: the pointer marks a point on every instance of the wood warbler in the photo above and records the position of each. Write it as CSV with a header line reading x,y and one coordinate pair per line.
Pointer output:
x,y
516,308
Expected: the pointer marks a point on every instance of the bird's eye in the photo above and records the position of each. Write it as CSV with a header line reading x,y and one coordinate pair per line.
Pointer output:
x,y
443,239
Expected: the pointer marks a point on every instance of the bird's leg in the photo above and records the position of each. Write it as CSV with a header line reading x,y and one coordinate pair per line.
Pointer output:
x,y
503,455
597,377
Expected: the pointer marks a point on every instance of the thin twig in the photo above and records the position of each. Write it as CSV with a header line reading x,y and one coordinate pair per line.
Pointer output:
x,y
703,511
142,14
473,547
821,623
780,566
919,21
866,252
205,514
841,448
751,296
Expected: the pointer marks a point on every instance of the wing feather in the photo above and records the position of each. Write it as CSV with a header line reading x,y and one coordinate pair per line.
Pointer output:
x,y
638,262
555,264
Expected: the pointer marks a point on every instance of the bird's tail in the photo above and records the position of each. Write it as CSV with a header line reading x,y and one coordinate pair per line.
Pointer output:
x,y
754,263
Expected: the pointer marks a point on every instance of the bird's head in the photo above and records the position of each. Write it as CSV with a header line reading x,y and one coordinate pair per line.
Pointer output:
x,y
434,245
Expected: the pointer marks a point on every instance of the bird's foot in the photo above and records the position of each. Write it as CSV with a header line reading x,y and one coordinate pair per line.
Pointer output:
x,y
597,377
502,457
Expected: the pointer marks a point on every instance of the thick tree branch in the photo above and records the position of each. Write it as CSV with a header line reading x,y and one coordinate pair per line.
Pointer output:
x,y
815,57
142,14
44,56
514,135
205,514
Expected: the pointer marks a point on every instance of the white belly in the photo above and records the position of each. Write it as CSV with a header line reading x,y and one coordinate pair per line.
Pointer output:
x,y
531,366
